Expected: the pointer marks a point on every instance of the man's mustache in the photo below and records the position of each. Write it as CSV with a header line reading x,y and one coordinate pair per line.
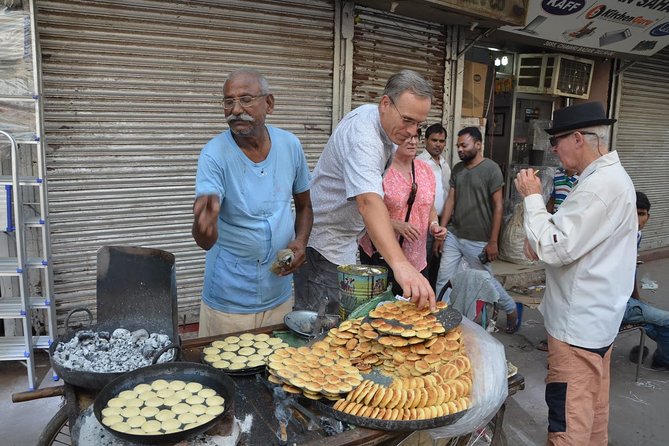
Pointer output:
x,y
241,117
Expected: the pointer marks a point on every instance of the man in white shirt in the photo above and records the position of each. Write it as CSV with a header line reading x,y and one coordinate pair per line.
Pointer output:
x,y
589,248
347,194
435,142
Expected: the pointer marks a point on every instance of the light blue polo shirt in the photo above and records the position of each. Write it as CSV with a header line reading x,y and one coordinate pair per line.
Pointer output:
x,y
255,220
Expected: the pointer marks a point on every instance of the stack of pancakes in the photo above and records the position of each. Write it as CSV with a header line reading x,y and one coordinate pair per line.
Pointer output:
x,y
313,372
430,370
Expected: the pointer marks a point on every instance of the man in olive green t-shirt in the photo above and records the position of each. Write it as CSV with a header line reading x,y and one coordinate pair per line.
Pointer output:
x,y
473,213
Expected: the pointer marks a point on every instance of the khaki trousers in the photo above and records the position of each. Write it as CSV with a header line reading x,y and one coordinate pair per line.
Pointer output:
x,y
213,322
577,394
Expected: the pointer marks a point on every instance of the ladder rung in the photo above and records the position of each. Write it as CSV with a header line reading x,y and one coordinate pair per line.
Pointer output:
x,y
9,266
23,181
34,222
19,98
13,348
12,307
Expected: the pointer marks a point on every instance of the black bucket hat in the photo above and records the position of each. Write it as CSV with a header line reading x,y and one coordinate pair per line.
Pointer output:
x,y
579,116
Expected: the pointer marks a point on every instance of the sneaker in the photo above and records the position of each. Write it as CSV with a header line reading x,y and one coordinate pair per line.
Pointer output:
x,y
634,354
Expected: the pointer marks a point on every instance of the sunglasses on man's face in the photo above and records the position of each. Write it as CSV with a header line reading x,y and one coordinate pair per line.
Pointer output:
x,y
555,140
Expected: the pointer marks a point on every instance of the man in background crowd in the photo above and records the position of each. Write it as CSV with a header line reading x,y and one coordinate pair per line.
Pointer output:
x,y
435,142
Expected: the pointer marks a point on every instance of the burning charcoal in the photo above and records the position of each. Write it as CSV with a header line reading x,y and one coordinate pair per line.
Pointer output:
x,y
148,351
120,332
138,335
84,335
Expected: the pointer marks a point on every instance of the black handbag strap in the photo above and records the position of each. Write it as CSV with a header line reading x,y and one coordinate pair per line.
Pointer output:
x,y
412,198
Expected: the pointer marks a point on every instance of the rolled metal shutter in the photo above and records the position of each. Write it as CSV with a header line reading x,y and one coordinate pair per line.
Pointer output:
x,y
642,139
385,43
133,91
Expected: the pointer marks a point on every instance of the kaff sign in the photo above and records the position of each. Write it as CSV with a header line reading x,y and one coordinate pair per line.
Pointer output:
x,y
609,28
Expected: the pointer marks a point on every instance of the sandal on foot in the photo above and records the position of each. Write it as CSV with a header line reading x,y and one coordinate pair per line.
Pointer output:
x,y
513,320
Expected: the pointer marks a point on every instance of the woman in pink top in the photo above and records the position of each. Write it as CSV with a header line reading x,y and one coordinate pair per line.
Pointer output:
x,y
404,174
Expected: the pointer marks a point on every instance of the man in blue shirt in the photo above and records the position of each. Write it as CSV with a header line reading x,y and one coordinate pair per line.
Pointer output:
x,y
246,177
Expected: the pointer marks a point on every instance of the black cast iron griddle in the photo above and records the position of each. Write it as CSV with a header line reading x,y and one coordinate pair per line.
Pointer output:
x,y
389,425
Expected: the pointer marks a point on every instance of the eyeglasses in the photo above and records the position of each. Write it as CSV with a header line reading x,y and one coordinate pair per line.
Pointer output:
x,y
407,120
418,136
555,140
244,101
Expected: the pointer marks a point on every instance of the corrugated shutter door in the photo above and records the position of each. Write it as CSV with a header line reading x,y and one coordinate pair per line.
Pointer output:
x,y
385,43
132,93
642,139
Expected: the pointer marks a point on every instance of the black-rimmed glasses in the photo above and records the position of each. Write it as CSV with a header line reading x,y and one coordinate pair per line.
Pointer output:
x,y
244,101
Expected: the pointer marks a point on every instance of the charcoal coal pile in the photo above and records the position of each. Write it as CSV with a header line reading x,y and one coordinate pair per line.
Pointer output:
x,y
120,351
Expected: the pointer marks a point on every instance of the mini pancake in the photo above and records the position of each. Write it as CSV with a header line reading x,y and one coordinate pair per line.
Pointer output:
x,y
246,351
183,394
154,402
215,401
195,399
239,359
165,415
221,344
148,412
180,408
170,424
256,363
151,426
206,393
273,341
117,402
206,351
231,347
136,421
206,418
261,337
245,343
121,427
237,366
128,395
148,395
165,393
260,344
193,387
214,410
108,411
177,385
112,419
141,388
221,364
187,418
247,336
198,409
226,356
232,339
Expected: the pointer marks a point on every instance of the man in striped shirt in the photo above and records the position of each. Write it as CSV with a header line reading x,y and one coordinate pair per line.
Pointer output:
x,y
563,182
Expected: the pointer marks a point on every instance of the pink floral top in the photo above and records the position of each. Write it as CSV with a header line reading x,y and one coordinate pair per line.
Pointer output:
x,y
396,188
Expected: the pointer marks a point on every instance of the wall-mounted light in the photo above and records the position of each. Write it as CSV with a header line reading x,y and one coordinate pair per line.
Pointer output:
x,y
498,62
505,61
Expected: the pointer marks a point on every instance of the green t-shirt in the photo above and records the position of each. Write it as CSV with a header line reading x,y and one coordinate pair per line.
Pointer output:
x,y
472,216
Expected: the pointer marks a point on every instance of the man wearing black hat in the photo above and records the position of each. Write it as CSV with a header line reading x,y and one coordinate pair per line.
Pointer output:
x,y
588,247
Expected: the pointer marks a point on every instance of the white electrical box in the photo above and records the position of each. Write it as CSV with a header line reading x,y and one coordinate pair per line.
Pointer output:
x,y
555,75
